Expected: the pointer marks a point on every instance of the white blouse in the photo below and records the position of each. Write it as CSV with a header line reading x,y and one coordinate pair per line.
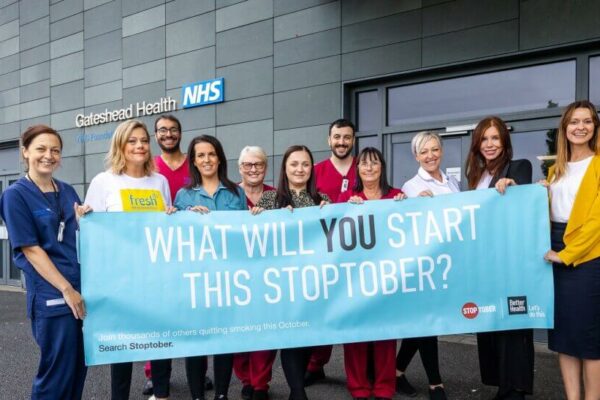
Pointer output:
x,y
423,181
564,190
484,181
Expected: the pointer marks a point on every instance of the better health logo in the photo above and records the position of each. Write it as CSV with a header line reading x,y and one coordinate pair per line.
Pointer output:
x,y
202,93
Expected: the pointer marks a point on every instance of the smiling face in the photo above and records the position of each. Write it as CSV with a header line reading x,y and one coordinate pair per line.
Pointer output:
x,y
206,160
252,170
137,148
580,127
341,141
369,169
491,144
168,135
430,156
298,169
43,155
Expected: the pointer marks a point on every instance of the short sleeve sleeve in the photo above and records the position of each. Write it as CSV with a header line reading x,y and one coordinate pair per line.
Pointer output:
x,y
95,196
19,220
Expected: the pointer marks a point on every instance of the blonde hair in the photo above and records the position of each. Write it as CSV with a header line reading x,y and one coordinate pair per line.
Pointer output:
x,y
421,138
115,158
255,151
563,150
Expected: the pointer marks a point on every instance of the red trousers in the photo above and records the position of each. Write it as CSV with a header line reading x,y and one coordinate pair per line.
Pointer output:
x,y
384,357
319,357
255,368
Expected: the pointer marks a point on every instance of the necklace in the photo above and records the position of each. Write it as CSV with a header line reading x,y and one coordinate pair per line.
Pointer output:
x,y
60,213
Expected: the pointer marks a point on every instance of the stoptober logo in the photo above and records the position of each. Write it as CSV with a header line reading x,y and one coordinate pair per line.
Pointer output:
x,y
472,310
202,93
517,305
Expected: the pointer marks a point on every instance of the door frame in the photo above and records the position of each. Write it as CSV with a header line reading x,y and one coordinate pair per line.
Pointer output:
x,y
6,259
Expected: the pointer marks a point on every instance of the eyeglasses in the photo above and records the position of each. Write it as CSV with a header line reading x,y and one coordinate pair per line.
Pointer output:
x,y
366,164
163,131
247,166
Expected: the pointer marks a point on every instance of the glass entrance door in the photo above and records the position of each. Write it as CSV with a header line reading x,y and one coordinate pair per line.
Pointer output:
x,y
9,273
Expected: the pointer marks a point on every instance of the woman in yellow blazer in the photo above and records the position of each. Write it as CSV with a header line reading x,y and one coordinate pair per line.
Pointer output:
x,y
574,185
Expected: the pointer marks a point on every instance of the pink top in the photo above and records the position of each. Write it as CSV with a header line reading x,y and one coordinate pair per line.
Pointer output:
x,y
177,178
331,182
344,197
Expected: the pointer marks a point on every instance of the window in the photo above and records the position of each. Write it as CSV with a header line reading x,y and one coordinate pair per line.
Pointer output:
x,y
595,81
369,111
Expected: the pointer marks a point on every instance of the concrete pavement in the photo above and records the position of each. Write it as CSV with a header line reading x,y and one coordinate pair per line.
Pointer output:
x,y
458,363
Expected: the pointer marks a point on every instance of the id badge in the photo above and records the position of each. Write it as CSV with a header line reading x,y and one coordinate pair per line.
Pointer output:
x,y
61,231
344,184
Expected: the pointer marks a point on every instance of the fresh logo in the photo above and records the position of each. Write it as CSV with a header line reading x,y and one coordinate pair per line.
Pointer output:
x,y
202,93
517,305
142,200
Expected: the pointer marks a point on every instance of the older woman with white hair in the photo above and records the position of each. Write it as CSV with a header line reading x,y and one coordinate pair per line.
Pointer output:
x,y
253,164
429,181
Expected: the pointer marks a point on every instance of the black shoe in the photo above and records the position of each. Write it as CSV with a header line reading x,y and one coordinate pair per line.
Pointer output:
x,y
312,377
208,385
437,393
360,398
404,387
298,395
260,395
511,395
148,388
247,392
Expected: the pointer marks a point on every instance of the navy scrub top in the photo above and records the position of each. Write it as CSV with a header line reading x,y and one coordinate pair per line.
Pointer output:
x,y
32,218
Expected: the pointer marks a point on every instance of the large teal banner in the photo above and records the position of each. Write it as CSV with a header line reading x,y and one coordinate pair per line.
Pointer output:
x,y
166,286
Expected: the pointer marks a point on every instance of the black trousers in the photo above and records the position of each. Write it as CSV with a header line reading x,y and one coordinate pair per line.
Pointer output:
x,y
294,363
120,380
506,360
195,371
428,349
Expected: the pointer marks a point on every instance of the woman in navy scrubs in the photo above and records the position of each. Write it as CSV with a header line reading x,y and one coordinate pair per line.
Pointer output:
x,y
41,217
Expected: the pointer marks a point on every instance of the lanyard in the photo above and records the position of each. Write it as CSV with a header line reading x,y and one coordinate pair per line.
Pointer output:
x,y
60,213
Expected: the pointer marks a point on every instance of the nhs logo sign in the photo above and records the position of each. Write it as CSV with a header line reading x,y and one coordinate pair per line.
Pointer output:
x,y
202,93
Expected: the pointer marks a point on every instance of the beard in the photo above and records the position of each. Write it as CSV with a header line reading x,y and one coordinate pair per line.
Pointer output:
x,y
343,156
169,150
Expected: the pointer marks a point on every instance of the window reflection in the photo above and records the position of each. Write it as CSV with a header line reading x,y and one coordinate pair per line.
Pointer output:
x,y
595,81
369,113
530,145
515,90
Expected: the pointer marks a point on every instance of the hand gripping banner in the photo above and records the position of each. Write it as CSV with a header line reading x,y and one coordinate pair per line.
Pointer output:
x,y
167,286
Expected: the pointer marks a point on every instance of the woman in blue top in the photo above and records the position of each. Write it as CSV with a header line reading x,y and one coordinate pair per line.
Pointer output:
x,y
211,190
41,217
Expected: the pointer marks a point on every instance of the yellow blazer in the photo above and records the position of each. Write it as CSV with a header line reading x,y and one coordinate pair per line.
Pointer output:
x,y
582,235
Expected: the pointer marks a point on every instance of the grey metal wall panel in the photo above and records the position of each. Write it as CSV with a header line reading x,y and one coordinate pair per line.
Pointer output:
x,y
354,11
472,43
71,145
35,108
9,30
281,7
94,163
182,9
10,97
9,13
35,73
191,34
66,69
9,47
26,123
135,6
244,13
307,107
144,21
34,33
102,19
144,47
102,49
310,73
190,67
30,10
313,137
105,93
9,80
304,22
66,45
552,22
393,29
245,43
65,8
71,170
10,114
103,73
145,73
87,4
66,120
10,63
464,14
149,93
66,27
10,131
382,60
309,47
35,90
237,136
66,97
245,110
252,78
194,119
226,3
35,56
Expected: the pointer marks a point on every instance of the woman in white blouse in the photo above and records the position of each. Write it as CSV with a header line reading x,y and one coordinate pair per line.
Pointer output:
x,y
429,181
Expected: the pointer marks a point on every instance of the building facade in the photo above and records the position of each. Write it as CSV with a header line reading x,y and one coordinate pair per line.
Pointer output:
x,y
290,67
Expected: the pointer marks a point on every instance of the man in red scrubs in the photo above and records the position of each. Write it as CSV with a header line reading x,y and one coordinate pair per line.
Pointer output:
x,y
333,176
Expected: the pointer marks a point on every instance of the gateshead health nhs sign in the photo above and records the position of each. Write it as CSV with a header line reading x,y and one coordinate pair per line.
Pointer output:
x,y
202,93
